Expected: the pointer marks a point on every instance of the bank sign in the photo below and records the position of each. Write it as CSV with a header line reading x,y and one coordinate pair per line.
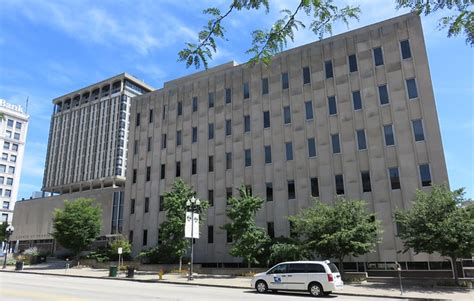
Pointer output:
x,y
5,104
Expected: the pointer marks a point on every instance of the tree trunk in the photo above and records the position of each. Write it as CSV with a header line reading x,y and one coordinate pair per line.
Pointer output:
x,y
341,267
180,263
455,270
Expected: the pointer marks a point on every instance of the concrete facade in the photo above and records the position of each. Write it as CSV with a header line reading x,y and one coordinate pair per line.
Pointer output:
x,y
13,132
159,142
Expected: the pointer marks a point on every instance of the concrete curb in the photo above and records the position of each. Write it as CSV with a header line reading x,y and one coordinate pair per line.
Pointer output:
x,y
211,285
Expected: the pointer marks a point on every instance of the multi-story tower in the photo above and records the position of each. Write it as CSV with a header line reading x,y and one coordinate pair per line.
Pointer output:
x,y
13,130
88,137
352,115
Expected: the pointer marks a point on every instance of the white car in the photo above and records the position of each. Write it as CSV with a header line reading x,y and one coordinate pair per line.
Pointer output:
x,y
317,277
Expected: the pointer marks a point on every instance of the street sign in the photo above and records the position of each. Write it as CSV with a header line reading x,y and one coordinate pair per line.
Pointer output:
x,y
194,225
119,251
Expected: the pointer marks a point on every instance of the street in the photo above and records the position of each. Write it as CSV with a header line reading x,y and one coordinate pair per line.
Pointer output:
x,y
28,287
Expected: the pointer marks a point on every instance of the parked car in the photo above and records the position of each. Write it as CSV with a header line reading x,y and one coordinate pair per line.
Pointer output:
x,y
317,277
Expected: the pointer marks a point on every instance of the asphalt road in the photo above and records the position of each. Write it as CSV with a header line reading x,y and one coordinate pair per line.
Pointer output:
x,y
28,287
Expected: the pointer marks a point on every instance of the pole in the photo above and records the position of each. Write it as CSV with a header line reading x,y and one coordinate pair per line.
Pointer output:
x,y
7,245
399,269
192,244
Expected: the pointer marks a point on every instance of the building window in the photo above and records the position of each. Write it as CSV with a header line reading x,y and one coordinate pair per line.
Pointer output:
x,y
271,229
10,123
6,205
286,115
150,116
228,95
194,135
284,81
145,237
18,125
266,119
3,168
291,190
378,56
411,87
394,177
383,95
246,90
195,104
137,121
352,63
210,99
210,234
193,166
425,175
356,100
311,147
210,129
405,47
178,169
6,145
178,138
389,136
228,160
163,115
135,147
210,196
246,124
130,237
132,206
5,156
264,86
361,142
180,108
10,181
328,68
418,130
308,105
332,105
163,141
14,147
228,194
11,169
148,173
314,187
134,176
366,186
147,204
211,163
229,237
289,151
163,171
306,75
269,192
339,184
148,144
8,193
336,146
162,203
248,158
228,127
16,136
12,158
9,134
268,154
1,182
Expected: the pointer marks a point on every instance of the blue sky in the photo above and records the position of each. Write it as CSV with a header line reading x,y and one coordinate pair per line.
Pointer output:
x,y
49,48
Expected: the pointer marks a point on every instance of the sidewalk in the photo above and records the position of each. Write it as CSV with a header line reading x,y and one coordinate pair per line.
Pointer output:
x,y
367,289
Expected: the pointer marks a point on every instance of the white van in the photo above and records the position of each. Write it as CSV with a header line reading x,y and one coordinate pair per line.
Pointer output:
x,y
317,277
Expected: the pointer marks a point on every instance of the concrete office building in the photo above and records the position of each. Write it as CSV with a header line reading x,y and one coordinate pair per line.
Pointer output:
x,y
86,157
13,130
352,115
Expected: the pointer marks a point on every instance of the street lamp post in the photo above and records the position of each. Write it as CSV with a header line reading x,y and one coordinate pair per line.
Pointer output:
x,y
8,233
192,205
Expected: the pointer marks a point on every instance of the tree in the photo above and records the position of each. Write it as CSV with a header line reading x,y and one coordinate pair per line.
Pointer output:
x,y
436,223
3,231
77,225
462,19
248,239
172,230
337,231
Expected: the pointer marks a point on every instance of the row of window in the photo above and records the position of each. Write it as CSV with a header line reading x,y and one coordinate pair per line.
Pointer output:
x,y
10,123
6,146
9,181
11,135
6,193
7,169
5,157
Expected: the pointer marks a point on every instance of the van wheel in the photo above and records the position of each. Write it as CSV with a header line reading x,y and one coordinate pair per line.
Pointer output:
x,y
261,287
315,289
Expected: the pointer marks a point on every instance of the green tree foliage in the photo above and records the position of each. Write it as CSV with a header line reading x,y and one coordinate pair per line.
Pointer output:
x,y
460,21
3,231
266,42
173,245
337,231
288,251
77,225
111,251
436,223
248,239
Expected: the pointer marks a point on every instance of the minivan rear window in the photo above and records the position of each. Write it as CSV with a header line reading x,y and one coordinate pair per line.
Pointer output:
x,y
315,268
333,268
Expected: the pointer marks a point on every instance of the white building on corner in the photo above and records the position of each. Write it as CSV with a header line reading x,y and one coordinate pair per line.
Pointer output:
x,y
13,129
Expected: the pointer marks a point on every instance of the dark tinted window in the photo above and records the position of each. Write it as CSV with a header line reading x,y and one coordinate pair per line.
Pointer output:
x,y
333,268
405,46
339,184
425,175
378,56
311,147
309,109
332,105
163,141
194,135
210,197
162,203
195,104
137,122
247,123
228,160
178,169
314,187
289,151
394,177
291,189
228,95
286,115
315,268
361,142
284,81
211,163
193,166
210,234
306,75
211,131
178,138
352,63
356,100
264,86
336,147
246,90
297,268
211,99
383,95
148,173
180,108
269,192
328,68
145,237
418,130
248,158
388,133
150,118
271,229
132,206
266,119
268,154
228,127
366,187
411,87
163,170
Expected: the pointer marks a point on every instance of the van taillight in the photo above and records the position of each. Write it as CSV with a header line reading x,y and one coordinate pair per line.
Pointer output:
x,y
330,278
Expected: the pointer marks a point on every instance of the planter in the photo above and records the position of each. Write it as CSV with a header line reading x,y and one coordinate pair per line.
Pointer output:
x,y
130,272
19,266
